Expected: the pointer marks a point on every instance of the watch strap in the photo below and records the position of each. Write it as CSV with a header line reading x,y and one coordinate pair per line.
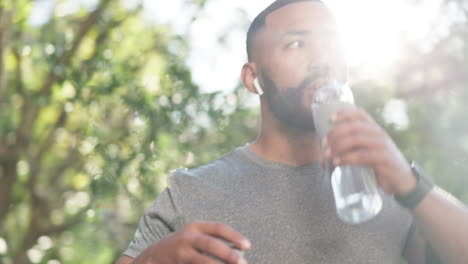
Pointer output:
x,y
423,186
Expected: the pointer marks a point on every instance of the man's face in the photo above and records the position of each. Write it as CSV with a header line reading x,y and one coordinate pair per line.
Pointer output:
x,y
298,49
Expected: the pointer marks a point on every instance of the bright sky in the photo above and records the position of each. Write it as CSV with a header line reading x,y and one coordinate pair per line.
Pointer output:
x,y
372,31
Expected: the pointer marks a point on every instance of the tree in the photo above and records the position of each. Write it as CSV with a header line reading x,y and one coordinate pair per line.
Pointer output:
x,y
96,107
432,84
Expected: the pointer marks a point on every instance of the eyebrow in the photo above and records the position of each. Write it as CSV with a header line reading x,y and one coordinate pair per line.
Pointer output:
x,y
296,33
293,33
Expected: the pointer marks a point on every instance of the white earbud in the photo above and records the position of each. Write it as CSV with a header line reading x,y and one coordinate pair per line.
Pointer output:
x,y
257,86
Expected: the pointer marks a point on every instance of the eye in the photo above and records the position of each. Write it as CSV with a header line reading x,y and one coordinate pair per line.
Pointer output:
x,y
296,44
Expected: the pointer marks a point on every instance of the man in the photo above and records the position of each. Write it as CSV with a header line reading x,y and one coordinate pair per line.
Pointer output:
x,y
271,198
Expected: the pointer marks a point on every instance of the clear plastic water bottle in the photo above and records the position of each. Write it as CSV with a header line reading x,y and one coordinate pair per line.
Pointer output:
x,y
356,194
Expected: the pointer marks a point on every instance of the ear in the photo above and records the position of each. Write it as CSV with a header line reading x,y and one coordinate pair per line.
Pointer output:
x,y
249,75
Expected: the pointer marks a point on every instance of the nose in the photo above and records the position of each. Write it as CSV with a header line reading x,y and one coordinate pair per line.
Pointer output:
x,y
318,59
319,70
318,48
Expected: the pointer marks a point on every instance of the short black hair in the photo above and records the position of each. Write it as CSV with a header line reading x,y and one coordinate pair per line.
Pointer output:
x,y
259,21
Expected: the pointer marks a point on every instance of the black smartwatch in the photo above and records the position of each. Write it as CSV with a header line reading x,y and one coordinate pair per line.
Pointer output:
x,y
423,186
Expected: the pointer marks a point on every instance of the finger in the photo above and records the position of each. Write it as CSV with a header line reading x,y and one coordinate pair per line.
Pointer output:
x,y
196,257
353,142
349,114
359,157
353,127
216,248
225,232
384,185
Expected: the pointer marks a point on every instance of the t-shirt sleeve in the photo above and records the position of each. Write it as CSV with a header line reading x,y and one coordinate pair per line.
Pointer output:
x,y
160,220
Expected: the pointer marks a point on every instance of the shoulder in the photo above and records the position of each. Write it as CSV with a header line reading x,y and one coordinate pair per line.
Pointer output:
x,y
216,172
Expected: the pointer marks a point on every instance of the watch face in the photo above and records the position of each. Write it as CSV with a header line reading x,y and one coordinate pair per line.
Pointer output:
x,y
416,169
420,174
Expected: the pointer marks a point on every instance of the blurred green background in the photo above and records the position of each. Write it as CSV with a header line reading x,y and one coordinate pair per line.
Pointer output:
x,y
98,104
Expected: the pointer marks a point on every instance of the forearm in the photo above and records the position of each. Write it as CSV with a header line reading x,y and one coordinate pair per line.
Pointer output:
x,y
443,221
125,260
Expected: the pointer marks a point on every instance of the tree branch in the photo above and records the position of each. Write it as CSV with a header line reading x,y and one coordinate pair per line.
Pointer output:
x,y
72,160
19,71
9,175
50,139
57,229
5,20
430,89
65,59
103,36
61,120
30,112
3,151
35,229
40,212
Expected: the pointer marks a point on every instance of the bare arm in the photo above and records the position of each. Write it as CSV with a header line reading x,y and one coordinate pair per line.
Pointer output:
x,y
125,260
442,220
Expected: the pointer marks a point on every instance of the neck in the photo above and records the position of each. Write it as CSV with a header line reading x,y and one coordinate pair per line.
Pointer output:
x,y
278,143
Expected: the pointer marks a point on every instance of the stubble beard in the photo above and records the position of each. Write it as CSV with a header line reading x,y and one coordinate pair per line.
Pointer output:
x,y
286,104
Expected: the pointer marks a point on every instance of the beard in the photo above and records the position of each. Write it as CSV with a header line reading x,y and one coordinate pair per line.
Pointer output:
x,y
286,104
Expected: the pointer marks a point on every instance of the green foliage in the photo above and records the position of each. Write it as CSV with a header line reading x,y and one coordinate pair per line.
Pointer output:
x,y
436,135
97,107
97,110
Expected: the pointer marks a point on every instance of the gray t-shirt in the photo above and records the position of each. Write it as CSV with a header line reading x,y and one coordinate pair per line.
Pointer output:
x,y
287,212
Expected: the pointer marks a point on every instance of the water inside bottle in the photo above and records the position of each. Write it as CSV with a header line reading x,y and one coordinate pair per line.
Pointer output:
x,y
358,207
357,199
